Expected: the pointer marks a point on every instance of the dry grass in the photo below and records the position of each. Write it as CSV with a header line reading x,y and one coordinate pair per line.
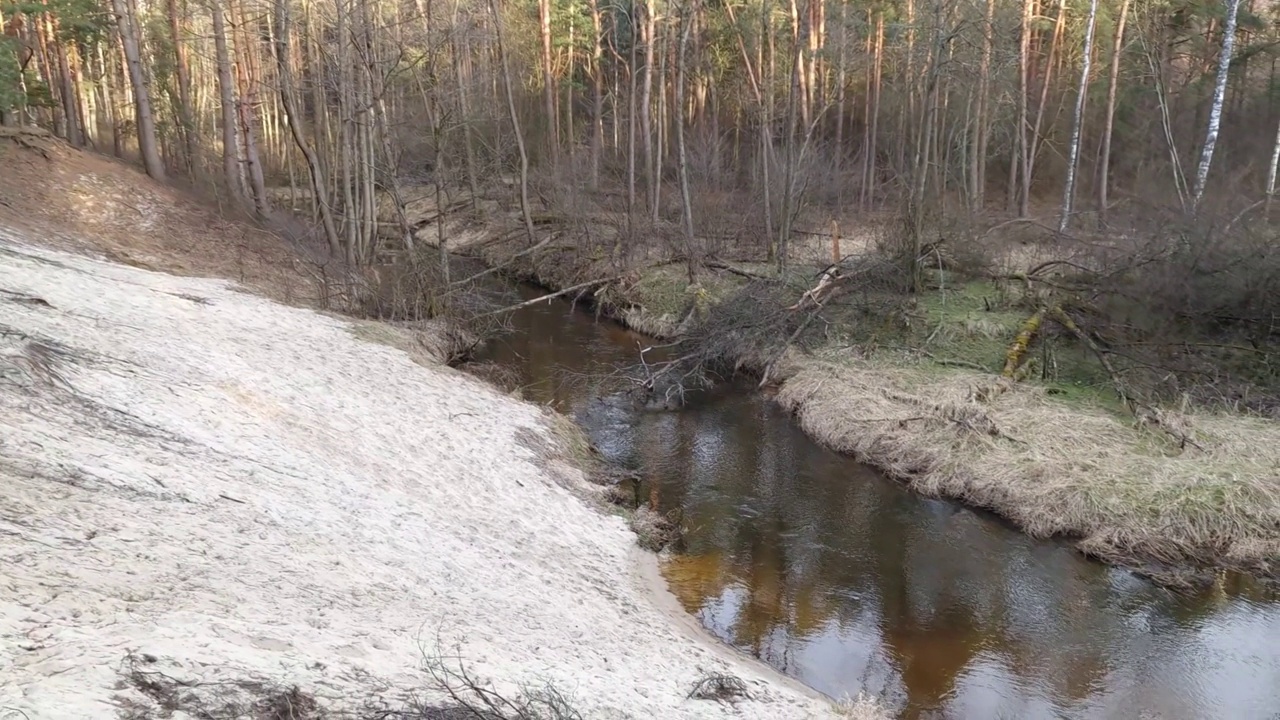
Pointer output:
x,y
654,531
427,342
1125,492
450,692
862,707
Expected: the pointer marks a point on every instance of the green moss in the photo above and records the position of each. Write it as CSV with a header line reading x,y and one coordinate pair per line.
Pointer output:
x,y
664,291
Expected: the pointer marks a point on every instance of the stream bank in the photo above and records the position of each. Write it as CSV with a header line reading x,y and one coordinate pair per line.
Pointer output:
x,y
1055,464
850,582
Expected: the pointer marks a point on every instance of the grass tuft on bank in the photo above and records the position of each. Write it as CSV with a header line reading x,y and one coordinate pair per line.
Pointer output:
x,y
1125,492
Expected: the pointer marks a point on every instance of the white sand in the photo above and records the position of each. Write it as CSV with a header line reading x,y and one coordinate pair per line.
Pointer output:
x,y
245,490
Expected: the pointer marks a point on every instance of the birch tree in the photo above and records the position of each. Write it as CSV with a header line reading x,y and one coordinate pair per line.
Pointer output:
x,y
1077,119
1215,108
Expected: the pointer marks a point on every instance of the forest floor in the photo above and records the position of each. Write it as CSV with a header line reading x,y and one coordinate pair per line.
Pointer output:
x,y
219,504
1176,493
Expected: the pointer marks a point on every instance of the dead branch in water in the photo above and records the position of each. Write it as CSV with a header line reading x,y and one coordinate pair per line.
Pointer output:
x,y
508,261
552,296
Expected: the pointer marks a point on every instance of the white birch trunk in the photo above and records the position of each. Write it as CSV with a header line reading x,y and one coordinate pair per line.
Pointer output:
x,y
1271,172
1215,110
1073,160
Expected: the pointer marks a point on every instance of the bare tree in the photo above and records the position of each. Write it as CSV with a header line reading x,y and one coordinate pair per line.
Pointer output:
x,y
226,97
1113,84
186,113
1271,172
548,80
315,171
525,210
686,196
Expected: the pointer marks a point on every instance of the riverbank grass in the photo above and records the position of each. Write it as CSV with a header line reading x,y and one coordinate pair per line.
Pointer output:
x,y
911,385
1126,492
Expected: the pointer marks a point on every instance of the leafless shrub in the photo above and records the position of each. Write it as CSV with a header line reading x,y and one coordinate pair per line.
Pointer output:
x,y
452,692
720,687
752,329
473,695
1182,312
622,494
503,376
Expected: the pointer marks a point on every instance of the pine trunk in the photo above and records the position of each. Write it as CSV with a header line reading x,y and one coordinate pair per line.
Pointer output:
x,y
147,143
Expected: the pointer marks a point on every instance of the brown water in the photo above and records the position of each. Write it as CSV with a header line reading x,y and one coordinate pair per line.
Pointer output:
x,y
842,579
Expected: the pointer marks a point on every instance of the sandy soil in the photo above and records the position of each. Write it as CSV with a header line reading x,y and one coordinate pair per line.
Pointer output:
x,y
231,488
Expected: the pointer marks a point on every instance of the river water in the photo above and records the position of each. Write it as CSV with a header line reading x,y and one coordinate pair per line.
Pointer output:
x,y
840,578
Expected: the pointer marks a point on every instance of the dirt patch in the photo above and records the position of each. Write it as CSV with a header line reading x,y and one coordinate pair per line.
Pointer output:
x,y
82,202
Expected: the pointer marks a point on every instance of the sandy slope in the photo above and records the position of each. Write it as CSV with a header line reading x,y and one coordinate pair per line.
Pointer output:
x,y
243,489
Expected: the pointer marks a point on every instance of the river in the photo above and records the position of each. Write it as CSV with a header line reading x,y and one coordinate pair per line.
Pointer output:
x,y
838,577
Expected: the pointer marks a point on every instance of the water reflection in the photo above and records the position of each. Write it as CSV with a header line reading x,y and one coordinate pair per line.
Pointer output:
x,y
840,578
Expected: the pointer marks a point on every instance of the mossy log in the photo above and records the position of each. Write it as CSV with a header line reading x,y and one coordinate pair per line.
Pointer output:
x,y
1018,350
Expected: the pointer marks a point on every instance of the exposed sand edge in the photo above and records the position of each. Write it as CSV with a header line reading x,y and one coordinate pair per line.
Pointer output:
x,y
244,490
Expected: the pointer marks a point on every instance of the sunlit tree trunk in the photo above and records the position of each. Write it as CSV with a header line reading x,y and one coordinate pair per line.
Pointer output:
x,y
464,107
1021,160
1046,82
74,129
597,93
648,39
247,83
982,124
315,171
147,143
632,111
789,169
842,79
1271,172
514,116
686,195
869,182
766,124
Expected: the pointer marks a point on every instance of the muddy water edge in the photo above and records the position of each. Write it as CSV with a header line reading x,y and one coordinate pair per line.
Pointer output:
x,y
842,579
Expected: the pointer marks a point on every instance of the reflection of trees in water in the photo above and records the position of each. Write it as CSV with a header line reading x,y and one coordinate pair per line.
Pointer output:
x,y
813,550
850,583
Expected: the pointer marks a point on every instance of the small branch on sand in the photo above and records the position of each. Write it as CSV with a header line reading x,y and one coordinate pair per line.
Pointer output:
x,y
552,296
